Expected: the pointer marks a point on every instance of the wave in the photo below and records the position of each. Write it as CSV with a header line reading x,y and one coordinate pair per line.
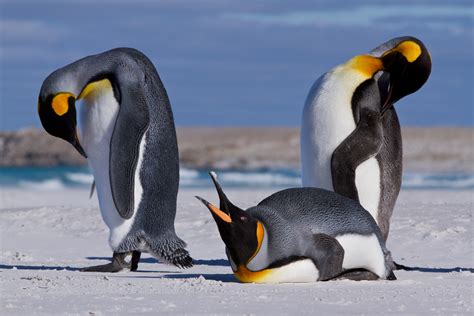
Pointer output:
x,y
259,179
438,181
85,178
61,177
185,173
46,185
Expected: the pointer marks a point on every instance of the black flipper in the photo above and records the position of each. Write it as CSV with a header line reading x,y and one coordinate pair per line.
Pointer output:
x,y
328,256
363,143
118,264
130,126
91,193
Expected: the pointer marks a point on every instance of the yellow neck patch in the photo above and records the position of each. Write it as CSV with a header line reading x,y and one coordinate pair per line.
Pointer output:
x,y
60,103
409,49
366,64
95,88
246,276
260,235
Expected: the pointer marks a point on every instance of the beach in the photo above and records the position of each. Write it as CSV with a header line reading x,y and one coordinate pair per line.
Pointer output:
x,y
50,229
47,235
441,149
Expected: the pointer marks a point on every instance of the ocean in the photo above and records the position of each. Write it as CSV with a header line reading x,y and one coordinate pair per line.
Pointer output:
x,y
54,178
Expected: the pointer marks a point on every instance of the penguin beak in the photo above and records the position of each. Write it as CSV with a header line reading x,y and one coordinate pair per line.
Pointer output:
x,y
225,204
385,85
215,211
77,144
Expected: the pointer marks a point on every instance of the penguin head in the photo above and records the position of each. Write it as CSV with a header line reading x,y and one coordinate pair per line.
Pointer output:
x,y
400,66
242,234
57,111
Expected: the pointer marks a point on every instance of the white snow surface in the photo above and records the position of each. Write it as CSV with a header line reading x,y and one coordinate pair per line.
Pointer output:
x,y
47,235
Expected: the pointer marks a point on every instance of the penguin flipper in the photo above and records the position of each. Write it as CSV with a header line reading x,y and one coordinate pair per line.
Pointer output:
x,y
91,193
363,143
328,256
130,126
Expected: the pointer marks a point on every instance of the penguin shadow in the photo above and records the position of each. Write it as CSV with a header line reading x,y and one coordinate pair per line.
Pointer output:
x,y
196,262
434,270
172,275
37,268
226,278
181,276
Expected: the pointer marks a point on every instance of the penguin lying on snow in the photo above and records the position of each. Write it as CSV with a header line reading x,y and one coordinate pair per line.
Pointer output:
x,y
350,136
301,235
129,138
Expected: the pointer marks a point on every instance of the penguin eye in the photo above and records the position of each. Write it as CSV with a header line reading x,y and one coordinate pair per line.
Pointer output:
x,y
243,218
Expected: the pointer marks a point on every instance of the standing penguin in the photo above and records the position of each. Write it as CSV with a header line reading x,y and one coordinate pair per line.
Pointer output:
x,y
301,235
350,136
128,135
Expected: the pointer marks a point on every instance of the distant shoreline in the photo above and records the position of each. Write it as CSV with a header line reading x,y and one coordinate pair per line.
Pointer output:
x,y
441,149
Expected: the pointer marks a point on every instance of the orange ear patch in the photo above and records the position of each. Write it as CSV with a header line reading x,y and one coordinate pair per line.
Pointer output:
x,y
226,218
60,103
409,49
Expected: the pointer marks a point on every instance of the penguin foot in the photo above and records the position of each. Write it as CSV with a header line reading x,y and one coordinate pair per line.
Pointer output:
x,y
358,275
135,259
181,259
118,263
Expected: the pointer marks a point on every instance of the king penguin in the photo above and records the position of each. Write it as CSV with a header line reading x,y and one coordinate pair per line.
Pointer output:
x,y
127,134
301,235
350,137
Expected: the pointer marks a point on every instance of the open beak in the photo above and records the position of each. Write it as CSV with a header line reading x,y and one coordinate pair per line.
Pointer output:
x,y
216,211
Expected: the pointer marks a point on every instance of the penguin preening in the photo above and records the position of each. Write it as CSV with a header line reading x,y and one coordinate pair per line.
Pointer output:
x,y
127,133
301,235
350,136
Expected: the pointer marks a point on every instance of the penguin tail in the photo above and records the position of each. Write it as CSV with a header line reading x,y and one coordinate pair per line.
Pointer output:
x,y
171,250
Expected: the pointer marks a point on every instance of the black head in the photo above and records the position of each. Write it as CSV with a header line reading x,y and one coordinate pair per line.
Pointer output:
x,y
409,64
57,113
241,233
400,66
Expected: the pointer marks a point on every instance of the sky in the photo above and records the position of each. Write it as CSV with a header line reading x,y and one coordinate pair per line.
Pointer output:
x,y
237,63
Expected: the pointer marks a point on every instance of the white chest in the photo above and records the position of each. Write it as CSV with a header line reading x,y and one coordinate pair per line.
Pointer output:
x,y
295,272
97,115
363,252
301,271
327,121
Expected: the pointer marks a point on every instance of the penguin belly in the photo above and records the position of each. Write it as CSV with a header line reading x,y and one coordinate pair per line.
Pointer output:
x,y
328,120
363,252
257,271
367,181
97,116
300,271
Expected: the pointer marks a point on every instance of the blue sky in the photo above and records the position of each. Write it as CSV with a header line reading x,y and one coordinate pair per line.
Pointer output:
x,y
237,62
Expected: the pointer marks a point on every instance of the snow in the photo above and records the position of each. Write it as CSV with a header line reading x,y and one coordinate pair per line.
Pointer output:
x,y
47,235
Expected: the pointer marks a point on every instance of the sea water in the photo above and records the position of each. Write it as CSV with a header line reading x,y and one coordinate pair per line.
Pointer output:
x,y
51,178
